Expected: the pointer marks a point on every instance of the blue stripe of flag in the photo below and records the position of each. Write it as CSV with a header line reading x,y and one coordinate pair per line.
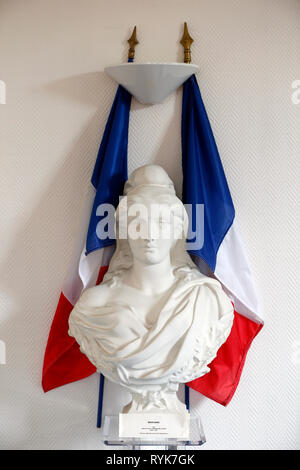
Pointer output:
x,y
110,171
204,180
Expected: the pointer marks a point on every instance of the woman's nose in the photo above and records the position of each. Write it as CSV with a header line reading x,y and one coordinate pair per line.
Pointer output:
x,y
152,233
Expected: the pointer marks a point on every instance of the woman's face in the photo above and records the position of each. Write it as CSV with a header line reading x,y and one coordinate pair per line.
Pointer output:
x,y
150,232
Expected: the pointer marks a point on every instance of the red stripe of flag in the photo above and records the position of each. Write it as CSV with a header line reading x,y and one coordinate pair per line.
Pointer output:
x,y
225,370
64,362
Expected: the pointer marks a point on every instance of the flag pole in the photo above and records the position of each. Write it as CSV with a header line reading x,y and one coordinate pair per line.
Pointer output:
x,y
187,397
132,41
100,401
186,42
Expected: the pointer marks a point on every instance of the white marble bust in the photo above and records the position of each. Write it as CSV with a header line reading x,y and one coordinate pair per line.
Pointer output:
x,y
155,321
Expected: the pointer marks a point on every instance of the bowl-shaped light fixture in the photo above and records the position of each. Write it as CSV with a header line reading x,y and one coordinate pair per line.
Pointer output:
x,y
151,83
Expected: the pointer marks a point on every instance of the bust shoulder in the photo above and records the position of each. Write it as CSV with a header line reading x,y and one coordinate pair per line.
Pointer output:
x,y
95,296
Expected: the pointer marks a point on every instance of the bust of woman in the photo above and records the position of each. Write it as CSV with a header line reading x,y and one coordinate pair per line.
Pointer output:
x,y
155,321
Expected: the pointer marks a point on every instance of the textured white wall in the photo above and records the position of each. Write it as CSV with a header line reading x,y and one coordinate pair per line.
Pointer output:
x,y
52,55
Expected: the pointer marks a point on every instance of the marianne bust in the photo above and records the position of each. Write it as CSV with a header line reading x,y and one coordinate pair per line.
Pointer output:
x,y
155,321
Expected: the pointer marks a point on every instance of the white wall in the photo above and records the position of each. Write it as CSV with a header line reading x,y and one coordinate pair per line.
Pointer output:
x,y
52,56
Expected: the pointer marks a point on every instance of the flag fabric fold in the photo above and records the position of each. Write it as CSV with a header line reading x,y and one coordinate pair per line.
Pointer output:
x,y
63,361
110,172
204,180
222,254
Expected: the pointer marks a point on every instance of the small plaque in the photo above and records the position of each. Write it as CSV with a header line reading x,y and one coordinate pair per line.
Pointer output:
x,y
164,425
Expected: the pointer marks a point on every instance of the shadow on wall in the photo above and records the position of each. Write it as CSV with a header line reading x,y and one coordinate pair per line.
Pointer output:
x,y
161,143
172,139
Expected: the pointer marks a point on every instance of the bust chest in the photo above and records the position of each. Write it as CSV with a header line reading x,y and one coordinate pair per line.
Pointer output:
x,y
146,307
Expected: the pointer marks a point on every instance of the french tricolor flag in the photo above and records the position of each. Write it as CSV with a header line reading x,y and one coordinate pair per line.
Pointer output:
x,y
221,256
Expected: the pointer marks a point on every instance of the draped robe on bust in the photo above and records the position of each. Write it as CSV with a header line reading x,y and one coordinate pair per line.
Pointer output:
x,y
193,323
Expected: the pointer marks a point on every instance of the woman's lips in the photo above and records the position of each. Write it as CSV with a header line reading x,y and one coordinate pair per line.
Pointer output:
x,y
150,247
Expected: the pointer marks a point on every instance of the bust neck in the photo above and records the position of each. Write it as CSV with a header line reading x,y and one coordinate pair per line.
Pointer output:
x,y
151,279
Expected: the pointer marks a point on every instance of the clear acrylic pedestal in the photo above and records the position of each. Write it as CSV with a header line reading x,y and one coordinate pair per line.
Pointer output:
x,y
111,437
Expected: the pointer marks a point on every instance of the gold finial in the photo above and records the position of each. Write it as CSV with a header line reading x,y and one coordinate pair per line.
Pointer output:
x,y
132,43
186,41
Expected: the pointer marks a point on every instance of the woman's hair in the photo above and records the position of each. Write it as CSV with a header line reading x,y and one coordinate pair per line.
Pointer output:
x,y
150,184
